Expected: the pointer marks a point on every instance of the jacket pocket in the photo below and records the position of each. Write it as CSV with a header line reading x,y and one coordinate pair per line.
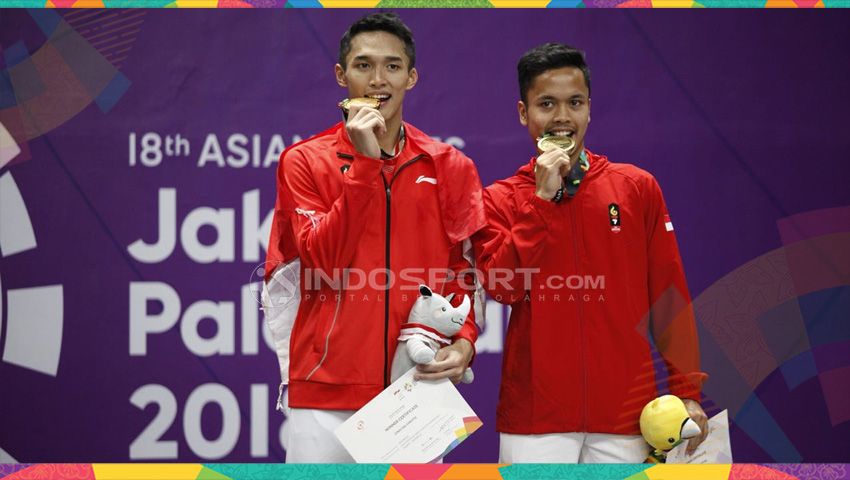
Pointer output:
x,y
322,335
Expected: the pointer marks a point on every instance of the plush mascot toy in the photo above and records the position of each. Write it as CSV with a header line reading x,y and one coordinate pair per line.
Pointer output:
x,y
665,423
431,323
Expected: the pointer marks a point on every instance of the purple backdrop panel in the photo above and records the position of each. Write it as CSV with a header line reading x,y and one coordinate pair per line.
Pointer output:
x,y
137,211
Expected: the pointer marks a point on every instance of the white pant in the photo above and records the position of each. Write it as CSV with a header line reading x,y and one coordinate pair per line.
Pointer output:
x,y
309,435
574,447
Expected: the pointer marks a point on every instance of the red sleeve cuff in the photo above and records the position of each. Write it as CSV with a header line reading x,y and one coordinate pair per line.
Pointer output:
x,y
545,208
364,169
470,333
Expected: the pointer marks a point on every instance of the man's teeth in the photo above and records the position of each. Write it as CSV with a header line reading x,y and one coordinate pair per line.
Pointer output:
x,y
562,134
380,97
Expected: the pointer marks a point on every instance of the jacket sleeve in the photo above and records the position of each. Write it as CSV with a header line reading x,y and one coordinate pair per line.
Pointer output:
x,y
672,321
327,232
510,245
462,283
281,247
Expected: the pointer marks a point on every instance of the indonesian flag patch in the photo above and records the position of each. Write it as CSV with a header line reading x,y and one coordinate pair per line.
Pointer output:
x,y
668,225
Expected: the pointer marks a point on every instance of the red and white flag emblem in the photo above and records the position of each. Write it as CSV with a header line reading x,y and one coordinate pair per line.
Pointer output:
x,y
667,223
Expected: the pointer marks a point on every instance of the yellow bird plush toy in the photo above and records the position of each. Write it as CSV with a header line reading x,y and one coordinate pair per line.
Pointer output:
x,y
664,424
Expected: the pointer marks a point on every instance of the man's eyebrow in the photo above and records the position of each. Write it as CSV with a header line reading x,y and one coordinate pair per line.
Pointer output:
x,y
389,58
574,96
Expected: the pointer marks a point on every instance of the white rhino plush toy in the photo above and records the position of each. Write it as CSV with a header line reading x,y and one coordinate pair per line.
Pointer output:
x,y
431,323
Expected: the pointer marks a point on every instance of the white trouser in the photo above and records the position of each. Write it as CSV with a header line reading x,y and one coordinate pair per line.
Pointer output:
x,y
574,447
309,435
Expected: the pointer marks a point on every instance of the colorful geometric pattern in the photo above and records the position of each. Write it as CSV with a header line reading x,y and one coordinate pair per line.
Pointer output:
x,y
797,366
470,424
111,32
74,66
196,471
427,3
776,326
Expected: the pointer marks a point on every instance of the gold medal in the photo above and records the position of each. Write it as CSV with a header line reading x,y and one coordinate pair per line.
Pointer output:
x,y
551,142
361,102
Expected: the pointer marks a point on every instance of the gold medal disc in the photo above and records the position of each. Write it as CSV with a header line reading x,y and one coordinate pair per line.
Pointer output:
x,y
551,142
346,104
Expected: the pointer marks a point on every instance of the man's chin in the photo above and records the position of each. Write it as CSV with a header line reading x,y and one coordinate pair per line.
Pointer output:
x,y
389,113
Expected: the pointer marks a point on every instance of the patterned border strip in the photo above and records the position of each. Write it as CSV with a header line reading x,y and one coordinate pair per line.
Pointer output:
x,y
245,471
427,3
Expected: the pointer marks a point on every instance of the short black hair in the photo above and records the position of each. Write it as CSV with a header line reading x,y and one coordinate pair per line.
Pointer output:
x,y
549,56
379,22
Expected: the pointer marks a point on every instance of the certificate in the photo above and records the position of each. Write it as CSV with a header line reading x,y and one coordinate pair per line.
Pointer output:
x,y
411,421
715,449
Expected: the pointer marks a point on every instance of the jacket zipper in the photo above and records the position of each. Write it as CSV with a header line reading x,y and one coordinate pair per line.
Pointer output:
x,y
580,322
387,187
387,284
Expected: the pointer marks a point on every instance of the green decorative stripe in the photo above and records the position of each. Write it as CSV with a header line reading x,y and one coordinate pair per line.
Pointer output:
x,y
277,471
733,3
577,472
207,474
24,3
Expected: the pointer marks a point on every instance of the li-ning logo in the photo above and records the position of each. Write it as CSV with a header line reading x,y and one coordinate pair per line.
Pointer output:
x,y
614,217
423,178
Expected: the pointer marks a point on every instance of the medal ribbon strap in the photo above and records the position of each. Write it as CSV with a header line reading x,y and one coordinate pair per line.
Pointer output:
x,y
398,146
390,160
573,179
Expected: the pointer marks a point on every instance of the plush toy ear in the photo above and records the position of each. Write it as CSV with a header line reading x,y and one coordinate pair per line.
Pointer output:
x,y
450,297
425,291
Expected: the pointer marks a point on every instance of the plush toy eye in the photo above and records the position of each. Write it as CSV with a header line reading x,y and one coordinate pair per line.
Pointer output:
x,y
444,309
671,440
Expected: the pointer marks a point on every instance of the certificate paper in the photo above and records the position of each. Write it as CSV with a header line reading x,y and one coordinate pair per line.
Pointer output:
x,y
715,449
410,422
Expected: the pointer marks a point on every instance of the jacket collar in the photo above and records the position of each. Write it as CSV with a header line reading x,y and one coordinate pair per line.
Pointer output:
x,y
597,164
410,149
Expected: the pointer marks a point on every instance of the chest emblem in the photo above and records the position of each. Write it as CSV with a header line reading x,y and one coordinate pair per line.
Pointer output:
x,y
668,224
614,217
423,178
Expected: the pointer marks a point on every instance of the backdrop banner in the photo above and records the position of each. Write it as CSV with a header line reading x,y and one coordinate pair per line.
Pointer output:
x,y
138,152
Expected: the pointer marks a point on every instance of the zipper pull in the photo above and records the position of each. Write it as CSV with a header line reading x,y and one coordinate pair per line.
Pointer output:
x,y
279,405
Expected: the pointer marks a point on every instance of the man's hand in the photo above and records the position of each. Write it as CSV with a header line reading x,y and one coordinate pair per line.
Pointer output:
x,y
364,126
699,417
549,172
450,362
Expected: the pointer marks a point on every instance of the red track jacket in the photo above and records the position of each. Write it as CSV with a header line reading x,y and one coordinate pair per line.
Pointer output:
x,y
335,211
577,354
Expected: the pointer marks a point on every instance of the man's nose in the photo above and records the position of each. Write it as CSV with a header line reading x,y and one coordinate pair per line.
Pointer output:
x,y
562,113
378,78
